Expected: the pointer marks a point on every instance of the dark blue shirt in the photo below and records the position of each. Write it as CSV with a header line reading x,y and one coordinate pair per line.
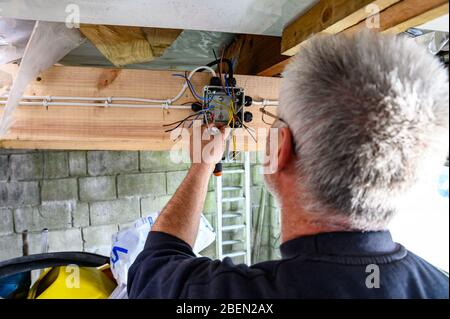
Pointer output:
x,y
328,265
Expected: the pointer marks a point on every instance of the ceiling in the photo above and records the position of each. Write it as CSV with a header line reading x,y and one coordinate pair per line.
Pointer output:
x,y
208,25
265,17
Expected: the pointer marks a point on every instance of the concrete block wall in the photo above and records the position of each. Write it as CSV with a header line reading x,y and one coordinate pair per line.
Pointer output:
x,y
83,197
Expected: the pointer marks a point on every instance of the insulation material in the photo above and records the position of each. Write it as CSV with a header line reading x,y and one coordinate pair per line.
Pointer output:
x,y
189,50
49,42
435,41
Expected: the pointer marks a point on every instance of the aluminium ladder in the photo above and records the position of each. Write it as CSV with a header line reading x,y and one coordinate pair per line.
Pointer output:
x,y
242,230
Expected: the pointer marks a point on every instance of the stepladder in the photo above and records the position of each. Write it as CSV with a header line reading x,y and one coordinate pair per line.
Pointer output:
x,y
234,211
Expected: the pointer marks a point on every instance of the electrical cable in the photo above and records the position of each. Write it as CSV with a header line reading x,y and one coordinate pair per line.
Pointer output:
x,y
192,88
48,101
144,106
265,102
180,122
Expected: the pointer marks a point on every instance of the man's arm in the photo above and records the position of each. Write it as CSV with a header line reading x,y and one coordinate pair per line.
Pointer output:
x,y
181,216
168,268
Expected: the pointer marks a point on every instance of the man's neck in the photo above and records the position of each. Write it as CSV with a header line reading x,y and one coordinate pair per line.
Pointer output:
x,y
297,222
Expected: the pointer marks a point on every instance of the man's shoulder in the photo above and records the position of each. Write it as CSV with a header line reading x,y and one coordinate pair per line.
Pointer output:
x,y
415,262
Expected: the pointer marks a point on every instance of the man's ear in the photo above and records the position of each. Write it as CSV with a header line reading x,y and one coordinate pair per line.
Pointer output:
x,y
285,148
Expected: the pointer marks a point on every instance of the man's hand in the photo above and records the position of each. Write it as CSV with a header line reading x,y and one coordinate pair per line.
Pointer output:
x,y
181,216
207,144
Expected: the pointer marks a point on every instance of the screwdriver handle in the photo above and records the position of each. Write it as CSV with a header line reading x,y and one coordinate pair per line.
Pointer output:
x,y
218,169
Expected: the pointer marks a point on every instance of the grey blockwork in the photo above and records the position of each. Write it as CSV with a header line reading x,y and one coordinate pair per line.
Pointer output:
x,y
83,197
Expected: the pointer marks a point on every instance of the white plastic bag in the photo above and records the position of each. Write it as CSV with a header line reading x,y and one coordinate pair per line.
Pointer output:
x,y
129,242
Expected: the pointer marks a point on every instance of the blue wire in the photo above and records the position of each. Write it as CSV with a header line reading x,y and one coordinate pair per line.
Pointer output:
x,y
227,88
191,86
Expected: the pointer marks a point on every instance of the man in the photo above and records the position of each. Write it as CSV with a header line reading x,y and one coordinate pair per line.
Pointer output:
x,y
362,121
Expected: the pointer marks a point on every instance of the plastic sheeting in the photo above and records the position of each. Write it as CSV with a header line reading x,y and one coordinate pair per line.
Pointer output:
x,y
14,35
49,42
435,41
190,50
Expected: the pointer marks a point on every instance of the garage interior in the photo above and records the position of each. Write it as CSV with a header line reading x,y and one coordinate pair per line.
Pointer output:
x,y
85,114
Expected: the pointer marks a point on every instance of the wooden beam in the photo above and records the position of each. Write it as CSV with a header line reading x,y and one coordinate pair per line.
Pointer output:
x,y
406,14
359,15
419,19
110,128
127,45
395,17
255,54
276,69
160,39
318,18
262,55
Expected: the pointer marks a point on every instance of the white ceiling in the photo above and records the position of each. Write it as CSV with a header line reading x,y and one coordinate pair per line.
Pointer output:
x,y
266,17
438,24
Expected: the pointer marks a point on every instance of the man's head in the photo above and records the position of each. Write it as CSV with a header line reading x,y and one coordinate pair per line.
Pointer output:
x,y
368,119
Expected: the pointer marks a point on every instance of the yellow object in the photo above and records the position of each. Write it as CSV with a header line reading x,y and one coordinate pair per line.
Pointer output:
x,y
72,282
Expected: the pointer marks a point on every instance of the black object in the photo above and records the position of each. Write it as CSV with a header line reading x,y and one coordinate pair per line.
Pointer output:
x,y
248,117
215,81
40,261
231,80
196,106
218,169
248,101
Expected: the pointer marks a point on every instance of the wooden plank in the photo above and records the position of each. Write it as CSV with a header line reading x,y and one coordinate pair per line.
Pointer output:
x,y
262,55
120,45
395,17
276,69
406,14
321,16
127,45
419,19
359,16
255,54
160,39
81,127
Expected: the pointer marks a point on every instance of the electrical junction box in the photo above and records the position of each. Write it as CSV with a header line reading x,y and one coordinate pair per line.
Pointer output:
x,y
223,104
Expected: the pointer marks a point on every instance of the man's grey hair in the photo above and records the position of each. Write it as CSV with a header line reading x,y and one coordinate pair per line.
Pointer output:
x,y
370,117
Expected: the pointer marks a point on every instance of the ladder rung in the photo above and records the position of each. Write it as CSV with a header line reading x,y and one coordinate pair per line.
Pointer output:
x,y
231,188
232,199
235,254
233,171
231,242
232,227
231,214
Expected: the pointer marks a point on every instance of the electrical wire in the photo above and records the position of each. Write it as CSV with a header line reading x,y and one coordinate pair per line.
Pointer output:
x,y
192,88
180,122
143,106
265,102
109,101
